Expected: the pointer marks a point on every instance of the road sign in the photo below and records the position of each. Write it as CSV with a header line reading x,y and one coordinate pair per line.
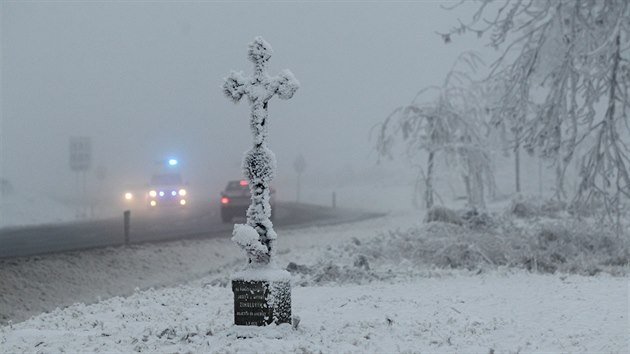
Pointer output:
x,y
80,153
299,164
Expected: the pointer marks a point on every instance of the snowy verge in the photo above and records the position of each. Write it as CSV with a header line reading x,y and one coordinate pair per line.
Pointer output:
x,y
498,311
32,285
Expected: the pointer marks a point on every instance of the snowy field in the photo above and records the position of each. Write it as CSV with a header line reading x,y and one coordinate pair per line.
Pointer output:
x,y
18,209
366,287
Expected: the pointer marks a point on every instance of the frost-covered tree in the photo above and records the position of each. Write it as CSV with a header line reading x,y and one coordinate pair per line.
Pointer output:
x,y
605,169
508,120
452,122
563,65
257,237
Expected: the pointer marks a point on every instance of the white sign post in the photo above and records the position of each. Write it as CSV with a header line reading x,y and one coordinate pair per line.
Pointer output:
x,y
299,165
80,162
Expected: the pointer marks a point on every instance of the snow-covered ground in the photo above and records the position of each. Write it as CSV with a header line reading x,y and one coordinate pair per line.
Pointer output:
x,y
357,288
501,312
17,209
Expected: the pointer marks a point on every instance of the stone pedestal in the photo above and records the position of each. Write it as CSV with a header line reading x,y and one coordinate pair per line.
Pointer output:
x,y
260,303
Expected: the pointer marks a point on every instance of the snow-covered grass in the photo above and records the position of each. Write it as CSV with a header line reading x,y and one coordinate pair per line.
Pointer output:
x,y
501,312
366,287
479,244
539,245
33,285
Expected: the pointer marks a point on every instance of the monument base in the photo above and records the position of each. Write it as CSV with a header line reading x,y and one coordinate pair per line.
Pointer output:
x,y
261,302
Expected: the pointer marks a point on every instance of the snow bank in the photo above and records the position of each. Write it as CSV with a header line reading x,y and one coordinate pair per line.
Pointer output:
x,y
32,285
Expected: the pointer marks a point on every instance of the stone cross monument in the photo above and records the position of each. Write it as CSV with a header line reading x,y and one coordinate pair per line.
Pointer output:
x,y
262,292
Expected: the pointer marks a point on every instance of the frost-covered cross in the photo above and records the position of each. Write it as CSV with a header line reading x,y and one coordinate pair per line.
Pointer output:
x,y
257,237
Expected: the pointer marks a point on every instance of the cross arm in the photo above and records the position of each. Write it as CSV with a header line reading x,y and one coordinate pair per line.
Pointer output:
x,y
285,84
234,86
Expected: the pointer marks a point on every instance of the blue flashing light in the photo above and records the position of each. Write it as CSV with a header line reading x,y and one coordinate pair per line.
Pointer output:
x,y
172,162
161,193
173,193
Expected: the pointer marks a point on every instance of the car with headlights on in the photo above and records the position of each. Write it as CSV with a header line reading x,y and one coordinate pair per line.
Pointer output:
x,y
236,198
167,189
132,196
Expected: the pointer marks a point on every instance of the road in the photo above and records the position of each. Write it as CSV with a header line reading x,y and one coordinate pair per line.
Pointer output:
x,y
155,226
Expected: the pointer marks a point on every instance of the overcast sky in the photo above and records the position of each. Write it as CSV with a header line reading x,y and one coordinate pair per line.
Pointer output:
x,y
143,80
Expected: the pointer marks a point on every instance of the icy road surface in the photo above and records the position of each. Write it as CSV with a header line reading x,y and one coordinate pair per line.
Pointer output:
x,y
202,221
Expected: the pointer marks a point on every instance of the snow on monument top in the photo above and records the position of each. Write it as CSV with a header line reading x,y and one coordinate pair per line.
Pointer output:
x,y
259,51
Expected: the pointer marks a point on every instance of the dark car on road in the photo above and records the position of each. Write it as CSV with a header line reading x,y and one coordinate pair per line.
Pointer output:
x,y
236,198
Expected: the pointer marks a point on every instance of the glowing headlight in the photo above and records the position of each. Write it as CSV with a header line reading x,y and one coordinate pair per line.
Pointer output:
x,y
161,193
152,194
182,192
182,202
173,193
153,203
128,196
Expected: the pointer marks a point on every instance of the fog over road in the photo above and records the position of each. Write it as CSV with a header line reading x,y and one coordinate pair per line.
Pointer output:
x,y
201,221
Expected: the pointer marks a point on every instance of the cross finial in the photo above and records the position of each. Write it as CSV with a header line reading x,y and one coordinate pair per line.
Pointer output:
x,y
260,87
259,53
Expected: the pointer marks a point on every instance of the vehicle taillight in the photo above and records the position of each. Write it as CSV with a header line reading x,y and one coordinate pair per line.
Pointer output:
x,y
225,200
243,183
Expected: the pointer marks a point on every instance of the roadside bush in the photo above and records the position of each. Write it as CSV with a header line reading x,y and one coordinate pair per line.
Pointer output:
x,y
522,208
572,246
325,272
541,246
476,242
533,207
442,214
476,219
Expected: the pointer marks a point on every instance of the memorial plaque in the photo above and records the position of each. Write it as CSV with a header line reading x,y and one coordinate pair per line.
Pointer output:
x,y
259,303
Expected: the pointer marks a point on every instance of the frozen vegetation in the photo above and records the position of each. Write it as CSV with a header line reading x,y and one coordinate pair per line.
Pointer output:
x,y
557,88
